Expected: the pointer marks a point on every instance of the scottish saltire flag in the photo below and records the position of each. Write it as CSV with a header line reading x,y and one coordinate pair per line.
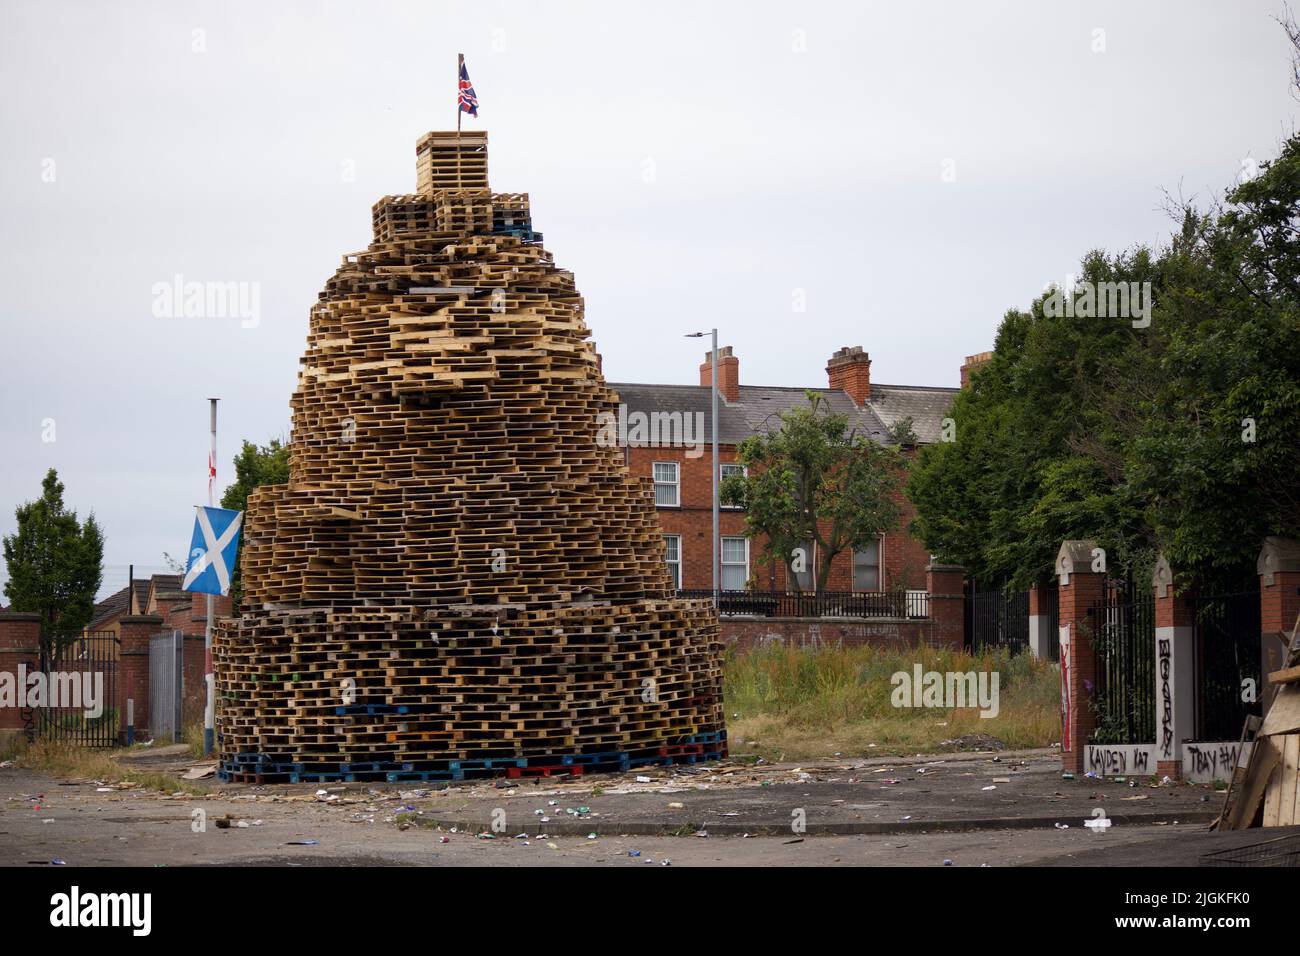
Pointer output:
x,y
468,99
212,550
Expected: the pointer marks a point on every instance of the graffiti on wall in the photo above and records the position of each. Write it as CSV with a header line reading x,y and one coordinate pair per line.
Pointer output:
x,y
1165,660
1119,760
1204,762
1065,688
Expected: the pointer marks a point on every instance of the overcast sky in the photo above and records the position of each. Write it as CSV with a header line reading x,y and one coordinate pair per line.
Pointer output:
x,y
694,164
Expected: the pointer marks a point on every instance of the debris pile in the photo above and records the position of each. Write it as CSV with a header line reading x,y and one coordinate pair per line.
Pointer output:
x,y
1266,791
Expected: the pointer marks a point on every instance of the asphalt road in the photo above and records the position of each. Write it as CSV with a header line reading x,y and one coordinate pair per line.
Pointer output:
x,y
968,810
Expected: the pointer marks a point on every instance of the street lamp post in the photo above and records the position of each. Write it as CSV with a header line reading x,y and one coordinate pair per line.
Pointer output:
x,y
713,430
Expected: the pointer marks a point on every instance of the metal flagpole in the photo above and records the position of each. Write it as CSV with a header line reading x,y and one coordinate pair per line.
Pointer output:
x,y
460,65
717,544
210,711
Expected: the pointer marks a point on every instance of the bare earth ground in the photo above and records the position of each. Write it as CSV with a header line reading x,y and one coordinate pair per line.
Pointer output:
x,y
968,809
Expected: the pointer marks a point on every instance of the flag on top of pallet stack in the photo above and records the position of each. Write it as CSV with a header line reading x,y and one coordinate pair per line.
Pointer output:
x,y
467,99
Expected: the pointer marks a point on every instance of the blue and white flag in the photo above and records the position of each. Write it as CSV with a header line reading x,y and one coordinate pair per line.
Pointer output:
x,y
212,550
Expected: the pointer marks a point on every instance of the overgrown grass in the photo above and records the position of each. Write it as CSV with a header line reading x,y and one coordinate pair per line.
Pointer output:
x,y
787,703
66,760
193,735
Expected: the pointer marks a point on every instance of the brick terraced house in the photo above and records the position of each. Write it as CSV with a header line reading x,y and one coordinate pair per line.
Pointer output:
x,y
681,470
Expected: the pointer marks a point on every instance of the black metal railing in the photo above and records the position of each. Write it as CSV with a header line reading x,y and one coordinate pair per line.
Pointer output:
x,y
1049,605
1123,694
1227,656
866,604
998,619
83,709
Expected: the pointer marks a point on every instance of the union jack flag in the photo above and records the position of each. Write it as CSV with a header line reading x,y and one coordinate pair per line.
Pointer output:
x,y
468,100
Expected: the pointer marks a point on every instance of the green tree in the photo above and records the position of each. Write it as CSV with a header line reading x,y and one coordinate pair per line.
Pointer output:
x,y
1178,437
254,466
55,565
814,479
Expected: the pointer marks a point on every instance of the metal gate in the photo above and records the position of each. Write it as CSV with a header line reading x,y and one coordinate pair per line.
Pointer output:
x,y
998,619
1124,648
1227,654
166,685
80,683
1050,605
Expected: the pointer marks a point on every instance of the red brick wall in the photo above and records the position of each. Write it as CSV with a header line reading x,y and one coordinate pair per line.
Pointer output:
x,y
133,669
20,643
746,633
904,558
195,687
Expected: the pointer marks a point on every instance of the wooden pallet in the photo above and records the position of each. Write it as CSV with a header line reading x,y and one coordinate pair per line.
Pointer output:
x,y
457,568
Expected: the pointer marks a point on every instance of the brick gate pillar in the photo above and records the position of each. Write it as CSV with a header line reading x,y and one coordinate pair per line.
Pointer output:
x,y
133,670
1040,640
1175,670
1080,588
946,584
20,646
1279,603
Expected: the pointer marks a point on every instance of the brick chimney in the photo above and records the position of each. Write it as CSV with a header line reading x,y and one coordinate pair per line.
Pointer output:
x,y
973,362
728,373
850,369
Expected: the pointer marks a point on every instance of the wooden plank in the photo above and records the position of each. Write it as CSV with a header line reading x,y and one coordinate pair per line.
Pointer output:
x,y
1288,675
1283,715
1289,773
1264,759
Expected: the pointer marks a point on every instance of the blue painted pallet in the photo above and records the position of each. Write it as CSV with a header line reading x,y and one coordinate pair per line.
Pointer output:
x,y
322,777
244,759
399,775
715,737
487,763
609,759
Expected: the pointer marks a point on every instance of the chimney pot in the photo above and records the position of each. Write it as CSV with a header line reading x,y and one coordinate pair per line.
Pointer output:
x,y
728,373
850,369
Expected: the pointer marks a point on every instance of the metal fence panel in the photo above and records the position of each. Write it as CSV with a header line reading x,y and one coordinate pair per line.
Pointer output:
x,y
166,676
1124,648
895,604
1227,654
998,619
88,715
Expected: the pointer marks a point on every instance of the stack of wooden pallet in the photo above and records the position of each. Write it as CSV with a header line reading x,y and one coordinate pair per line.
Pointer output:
x,y
459,577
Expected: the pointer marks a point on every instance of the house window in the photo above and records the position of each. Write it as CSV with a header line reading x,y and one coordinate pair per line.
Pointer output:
x,y
726,469
735,563
805,577
666,484
866,568
673,556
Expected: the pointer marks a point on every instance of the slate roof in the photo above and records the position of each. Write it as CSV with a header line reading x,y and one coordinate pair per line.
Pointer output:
x,y
759,407
111,606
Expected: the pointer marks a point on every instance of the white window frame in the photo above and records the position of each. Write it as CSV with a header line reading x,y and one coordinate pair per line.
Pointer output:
x,y
722,465
674,567
676,483
880,569
810,549
723,564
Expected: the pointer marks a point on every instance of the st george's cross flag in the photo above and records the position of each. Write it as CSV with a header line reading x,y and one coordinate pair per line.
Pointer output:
x,y
212,550
467,100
